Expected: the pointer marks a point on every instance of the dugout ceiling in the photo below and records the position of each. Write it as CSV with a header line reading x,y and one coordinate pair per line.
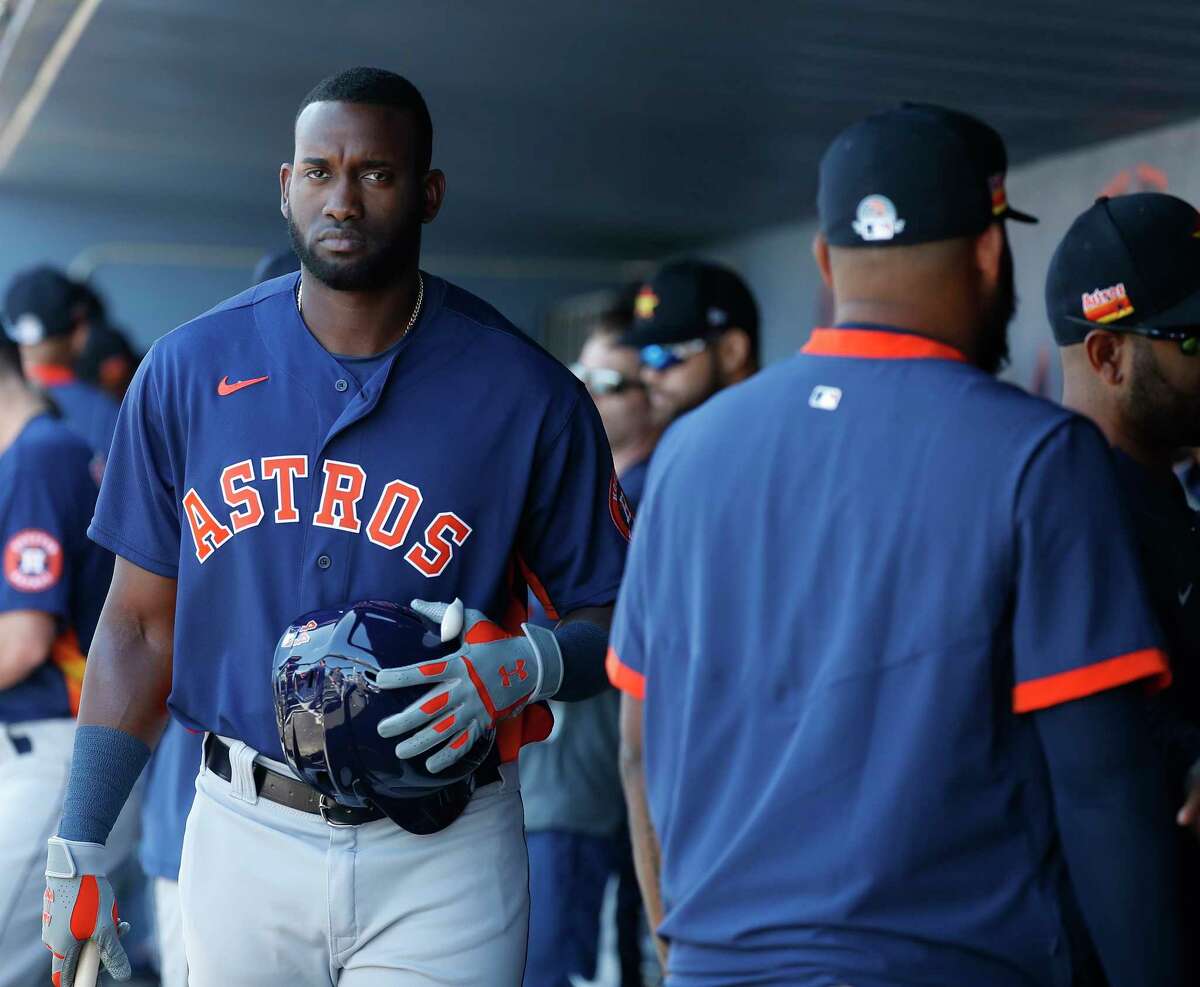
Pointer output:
x,y
576,128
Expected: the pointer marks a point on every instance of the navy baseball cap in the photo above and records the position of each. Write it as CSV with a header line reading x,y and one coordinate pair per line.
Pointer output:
x,y
1131,264
691,299
41,303
913,174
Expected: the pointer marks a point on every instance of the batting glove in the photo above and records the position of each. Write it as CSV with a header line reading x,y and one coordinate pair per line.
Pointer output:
x,y
79,905
493,676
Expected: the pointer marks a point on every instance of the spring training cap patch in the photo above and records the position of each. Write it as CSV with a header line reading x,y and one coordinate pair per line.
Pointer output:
x,y
914,174
877,219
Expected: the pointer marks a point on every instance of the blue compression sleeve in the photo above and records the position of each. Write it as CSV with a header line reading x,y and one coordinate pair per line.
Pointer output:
x,y
1116,826
583,646
104,768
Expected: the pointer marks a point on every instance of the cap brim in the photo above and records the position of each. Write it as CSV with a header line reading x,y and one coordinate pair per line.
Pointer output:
x,y
1017,216
658,336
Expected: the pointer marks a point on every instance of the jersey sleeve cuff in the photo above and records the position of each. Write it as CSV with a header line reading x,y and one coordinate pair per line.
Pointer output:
x,y
623,677
118,546
1150,664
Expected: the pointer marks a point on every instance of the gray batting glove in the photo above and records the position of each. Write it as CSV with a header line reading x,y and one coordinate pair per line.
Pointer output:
x,y
79,905
494,675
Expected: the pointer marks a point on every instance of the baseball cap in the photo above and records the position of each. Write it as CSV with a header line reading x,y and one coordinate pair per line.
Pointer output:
x,y
689,299
913,174
1131,264
40,303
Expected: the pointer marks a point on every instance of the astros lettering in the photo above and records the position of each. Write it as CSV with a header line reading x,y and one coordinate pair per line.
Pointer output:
x,y
342,488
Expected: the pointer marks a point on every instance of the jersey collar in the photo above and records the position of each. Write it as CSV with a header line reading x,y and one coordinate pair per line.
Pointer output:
x,y
869,343
50,375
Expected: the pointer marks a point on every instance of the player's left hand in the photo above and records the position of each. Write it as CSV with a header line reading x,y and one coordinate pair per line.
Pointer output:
x,y
79,905
1189,815
493,676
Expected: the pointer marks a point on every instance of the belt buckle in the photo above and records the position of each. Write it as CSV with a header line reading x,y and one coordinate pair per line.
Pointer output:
x,y
324,805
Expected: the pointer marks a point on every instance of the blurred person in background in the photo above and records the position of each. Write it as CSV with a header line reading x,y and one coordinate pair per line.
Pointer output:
x,y
53,582
46,317
275,265
574,811
171,782
1123,299
696,328
888,669
108,361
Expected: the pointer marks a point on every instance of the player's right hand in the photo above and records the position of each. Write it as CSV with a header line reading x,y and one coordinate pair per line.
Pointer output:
x,y
80,905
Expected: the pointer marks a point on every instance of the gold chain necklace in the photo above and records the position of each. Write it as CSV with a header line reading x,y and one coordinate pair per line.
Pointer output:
x,y
412,319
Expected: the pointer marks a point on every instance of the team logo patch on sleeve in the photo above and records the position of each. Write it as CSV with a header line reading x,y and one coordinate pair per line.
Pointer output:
x,y
618,507
33,561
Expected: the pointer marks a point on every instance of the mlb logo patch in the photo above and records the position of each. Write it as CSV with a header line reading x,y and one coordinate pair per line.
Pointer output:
x,y
825,398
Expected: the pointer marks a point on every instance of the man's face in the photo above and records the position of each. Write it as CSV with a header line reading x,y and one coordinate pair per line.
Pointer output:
x,y
625,412
1162,399
998,313
681,388
353,197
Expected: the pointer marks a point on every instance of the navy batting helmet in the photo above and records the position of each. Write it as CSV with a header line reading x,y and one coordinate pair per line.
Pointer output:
x,y
327,707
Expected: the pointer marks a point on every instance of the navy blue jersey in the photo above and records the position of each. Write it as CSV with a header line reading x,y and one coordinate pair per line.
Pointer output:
x,y
47,494
86,410
894,558
251,467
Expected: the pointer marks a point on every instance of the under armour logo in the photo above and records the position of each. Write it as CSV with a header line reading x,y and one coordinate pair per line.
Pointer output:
x,y
518,671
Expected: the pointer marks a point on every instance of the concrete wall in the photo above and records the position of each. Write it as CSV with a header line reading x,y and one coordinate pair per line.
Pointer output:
x,y
778,263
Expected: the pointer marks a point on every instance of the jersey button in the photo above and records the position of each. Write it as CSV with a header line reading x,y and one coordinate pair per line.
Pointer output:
x,y
341,385
324,562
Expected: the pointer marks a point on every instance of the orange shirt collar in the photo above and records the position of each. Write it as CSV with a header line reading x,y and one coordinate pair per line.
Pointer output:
x,y
50,375
879,344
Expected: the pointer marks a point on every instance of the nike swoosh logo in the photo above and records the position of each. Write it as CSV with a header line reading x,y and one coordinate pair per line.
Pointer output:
x,y
1183,595
225,388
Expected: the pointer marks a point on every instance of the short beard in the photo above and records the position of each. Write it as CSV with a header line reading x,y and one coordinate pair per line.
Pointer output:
x,y
1165,418
379,269
998,313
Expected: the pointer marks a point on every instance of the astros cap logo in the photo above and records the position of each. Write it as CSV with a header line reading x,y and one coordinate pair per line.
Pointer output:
x,y
1107,304
646,303
33,561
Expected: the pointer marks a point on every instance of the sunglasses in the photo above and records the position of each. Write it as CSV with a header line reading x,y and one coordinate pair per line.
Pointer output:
x,y
665,357
1188,339
602,380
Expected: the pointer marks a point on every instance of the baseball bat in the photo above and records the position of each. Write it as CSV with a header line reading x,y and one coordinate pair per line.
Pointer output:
x,y
88,970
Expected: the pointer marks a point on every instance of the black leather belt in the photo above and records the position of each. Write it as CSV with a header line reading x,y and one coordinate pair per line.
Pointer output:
x,y
285,790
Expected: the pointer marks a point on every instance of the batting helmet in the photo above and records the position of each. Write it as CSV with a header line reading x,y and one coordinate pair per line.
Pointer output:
x,y
327,707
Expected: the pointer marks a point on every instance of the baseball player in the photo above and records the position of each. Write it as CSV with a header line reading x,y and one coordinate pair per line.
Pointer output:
x,y
696,328
108,361
890,687
574,814
362,430
1123,299
46,315
52,586
170,783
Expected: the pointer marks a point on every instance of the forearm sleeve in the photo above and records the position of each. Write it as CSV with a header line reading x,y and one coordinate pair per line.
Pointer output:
x,y
1114,820
583,646
105,766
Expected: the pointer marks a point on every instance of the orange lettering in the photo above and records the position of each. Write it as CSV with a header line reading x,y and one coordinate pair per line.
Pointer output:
x,y
284,470
444,532
409,499
247,504
208,533
340,494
